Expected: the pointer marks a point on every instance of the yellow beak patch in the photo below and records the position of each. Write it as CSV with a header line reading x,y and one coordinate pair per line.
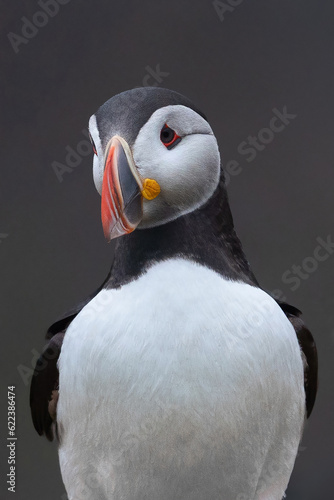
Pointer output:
x,y
151,189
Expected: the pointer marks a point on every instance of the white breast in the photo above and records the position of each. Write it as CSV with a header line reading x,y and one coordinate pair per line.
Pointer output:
x,y
180,385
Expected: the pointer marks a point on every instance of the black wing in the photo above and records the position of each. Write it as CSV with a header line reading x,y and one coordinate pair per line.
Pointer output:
x,y
309,350
44,387
45,380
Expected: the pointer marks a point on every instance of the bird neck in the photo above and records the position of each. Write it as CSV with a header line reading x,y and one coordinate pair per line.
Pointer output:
x,y
205,236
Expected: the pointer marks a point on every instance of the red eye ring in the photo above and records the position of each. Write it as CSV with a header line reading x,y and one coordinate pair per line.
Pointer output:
x,y
169,137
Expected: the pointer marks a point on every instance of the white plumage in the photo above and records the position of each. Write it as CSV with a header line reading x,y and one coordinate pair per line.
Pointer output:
x,y
173,385
188,174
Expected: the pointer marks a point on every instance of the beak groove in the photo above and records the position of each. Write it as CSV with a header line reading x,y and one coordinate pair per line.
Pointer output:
x,y
121,202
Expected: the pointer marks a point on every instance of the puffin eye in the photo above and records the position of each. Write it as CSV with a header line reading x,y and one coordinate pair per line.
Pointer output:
x,y
169,137
93,143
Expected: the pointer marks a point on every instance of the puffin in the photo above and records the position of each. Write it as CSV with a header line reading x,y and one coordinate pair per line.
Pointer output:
x,y
180,377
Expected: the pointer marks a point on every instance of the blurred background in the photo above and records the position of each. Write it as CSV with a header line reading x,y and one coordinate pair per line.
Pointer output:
x,y
242,63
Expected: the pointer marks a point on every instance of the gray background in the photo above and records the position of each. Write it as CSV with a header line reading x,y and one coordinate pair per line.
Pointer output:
x,y
261,56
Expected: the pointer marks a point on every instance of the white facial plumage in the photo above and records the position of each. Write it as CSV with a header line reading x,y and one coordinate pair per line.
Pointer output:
x,y
98,160
187,174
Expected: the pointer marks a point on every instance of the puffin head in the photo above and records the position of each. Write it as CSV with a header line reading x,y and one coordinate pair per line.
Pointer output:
x,y
156,159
